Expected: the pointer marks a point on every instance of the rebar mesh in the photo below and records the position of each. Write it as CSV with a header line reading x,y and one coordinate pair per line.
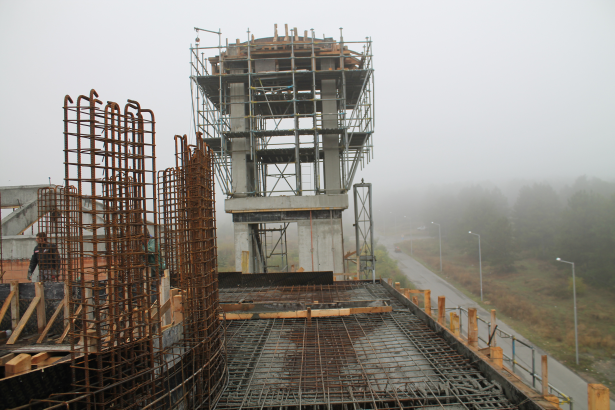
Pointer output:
x,y
376,361
110,159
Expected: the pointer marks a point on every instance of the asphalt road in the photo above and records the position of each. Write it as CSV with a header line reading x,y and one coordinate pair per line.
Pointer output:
x,y
560,376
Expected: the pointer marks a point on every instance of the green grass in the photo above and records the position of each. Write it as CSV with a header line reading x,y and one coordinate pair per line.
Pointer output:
x,y
536,301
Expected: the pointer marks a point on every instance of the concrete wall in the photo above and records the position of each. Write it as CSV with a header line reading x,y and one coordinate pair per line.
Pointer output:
x,y
16,196
21,219
326,238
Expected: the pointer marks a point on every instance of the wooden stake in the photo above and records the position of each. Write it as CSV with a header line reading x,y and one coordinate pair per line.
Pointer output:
x,y
15,304
472,328
545,375
441,310
397,286
415,300
41,315
598,397
454,325
427,301
309,316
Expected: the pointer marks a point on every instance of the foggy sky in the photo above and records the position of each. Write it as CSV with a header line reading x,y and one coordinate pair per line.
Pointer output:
x,y
465,91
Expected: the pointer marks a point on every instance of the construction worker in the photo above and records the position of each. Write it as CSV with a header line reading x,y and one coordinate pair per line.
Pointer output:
x,y
47,257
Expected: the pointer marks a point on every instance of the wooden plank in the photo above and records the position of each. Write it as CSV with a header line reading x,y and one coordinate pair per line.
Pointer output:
x,y
53,318
497,356
49,361
178,309
165,293
67,293
245,262
163,309
4,359
23,320
5,306
15,304
304,313
19,364
41,315
67,328
40,357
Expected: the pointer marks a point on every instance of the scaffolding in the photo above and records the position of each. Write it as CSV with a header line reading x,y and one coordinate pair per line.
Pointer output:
x,y
364,230
284,108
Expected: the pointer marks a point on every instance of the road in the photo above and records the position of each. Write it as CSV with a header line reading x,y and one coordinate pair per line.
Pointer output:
x,y
560,376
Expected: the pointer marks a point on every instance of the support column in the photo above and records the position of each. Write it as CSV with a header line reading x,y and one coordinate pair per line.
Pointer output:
x,y
245,242
330,142
325,238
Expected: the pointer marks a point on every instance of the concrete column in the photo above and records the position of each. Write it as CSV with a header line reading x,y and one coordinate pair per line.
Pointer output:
x,y
325,236
329,120
244,241
240,147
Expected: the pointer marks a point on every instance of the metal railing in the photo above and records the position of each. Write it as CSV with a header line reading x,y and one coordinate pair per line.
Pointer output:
x,y
512,359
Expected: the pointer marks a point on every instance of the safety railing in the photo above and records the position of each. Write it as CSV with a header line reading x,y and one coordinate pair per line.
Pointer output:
x,y
513,358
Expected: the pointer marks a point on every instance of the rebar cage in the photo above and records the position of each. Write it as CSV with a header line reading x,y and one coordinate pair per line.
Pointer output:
x,y
187,218
285,109
54,206
113,279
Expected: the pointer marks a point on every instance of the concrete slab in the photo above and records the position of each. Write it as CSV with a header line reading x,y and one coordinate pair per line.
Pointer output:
x,y
286,203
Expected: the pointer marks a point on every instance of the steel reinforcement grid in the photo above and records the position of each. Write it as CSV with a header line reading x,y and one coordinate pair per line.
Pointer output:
x,y
110,159
367,361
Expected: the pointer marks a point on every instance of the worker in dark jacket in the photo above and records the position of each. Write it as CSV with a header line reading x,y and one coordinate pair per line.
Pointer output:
x,y
47,257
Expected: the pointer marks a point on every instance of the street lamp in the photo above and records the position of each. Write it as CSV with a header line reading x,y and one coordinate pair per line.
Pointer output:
x,y
440,240
574,299
480,265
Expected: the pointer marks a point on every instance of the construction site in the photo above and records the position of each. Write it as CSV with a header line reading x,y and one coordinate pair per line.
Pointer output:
x,y
127,308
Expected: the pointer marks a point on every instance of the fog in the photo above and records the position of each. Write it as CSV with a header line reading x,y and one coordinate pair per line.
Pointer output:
x,y
474,92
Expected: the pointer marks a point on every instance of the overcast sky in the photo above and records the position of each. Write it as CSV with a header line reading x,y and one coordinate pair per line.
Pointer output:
x,y
465,90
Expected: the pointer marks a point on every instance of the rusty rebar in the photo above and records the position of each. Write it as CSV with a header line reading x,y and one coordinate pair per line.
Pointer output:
x,y
112,251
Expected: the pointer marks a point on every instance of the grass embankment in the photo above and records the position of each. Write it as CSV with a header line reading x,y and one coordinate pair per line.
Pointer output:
x,y
386,267
536,301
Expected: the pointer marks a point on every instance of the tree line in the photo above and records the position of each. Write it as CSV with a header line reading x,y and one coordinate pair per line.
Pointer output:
x,y
577,224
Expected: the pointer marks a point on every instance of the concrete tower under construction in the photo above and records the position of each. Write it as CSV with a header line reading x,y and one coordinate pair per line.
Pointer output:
x,y
290,119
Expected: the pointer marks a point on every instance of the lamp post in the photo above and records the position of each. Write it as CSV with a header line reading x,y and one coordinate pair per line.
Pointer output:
x,y
574,299
480,265
440,240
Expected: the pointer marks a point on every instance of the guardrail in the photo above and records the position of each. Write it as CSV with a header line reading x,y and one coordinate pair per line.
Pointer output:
x,y
512,358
